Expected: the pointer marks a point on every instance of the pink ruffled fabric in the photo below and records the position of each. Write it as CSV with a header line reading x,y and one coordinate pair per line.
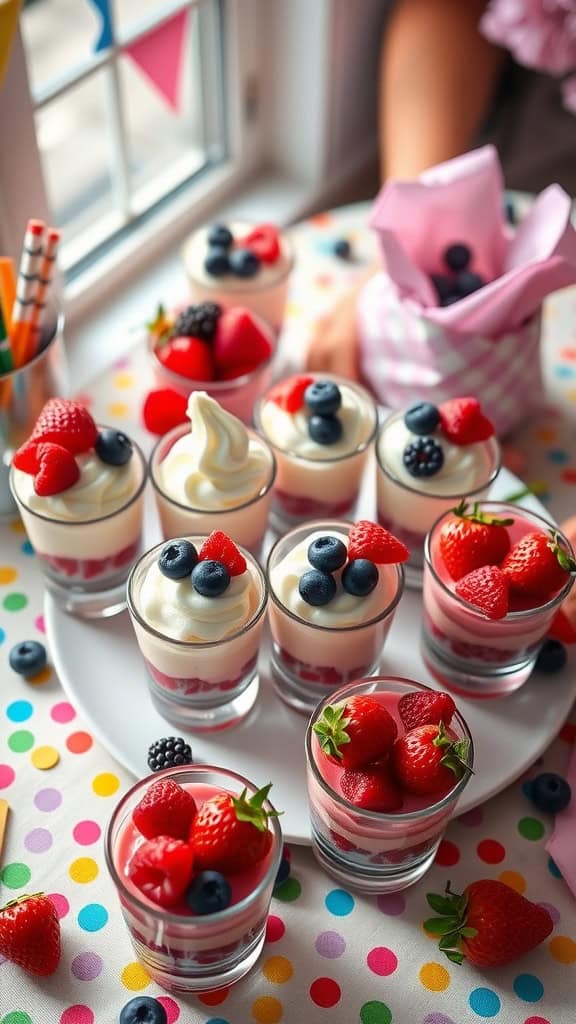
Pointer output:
x,y
539,34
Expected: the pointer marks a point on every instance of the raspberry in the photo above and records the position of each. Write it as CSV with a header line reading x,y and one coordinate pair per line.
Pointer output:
x,y
26,458
66,423
57,469
162,869
419,708
165,810
163,409
199,321
289,394
371,541
463,421
219,548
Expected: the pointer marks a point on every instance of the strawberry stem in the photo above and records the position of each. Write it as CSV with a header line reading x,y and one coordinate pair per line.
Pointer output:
x,y
450,925
477,516
252,810
565,561
331,729
455,753
20,899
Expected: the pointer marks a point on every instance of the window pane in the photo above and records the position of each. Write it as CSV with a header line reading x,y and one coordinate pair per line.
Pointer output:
x,y
128,13
58,35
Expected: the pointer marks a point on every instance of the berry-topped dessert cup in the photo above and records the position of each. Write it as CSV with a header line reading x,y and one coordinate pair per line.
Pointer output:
x,y
193,852
334,589
79,488
197,605
213,474
494,578
226,352
321,430
388,760
428,458
241,264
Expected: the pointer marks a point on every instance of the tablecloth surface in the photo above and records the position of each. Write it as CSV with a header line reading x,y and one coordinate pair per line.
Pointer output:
x,y
330,956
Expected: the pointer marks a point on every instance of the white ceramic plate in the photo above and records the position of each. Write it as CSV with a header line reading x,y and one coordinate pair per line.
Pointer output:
x,y
100,668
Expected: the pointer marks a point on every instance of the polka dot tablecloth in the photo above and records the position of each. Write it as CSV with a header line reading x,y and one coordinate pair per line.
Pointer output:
x,y
329,955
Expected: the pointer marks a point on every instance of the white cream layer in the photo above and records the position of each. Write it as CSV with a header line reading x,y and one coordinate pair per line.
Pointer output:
x,y
465,467
100,490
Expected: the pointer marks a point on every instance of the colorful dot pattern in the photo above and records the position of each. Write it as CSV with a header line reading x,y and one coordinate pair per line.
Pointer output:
x,y
329,954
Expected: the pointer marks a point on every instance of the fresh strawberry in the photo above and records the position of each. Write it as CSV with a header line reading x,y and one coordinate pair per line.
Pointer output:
x,y
189,357
289,393
561,628
537,566
487,589
371,541
220,548
232,372
164,409
358,732
263,241
231,834
469,540
239,340
57,469
427,760
30,934
463,422
66,423
425,708
166,809
26,458
372,789
162,869
490,924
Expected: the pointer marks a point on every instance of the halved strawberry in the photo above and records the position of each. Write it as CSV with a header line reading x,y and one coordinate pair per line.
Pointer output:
x,y
487,589
67,423
289,393
263,241
469,539
369,540
371,788
189,357
422,708
162,869
57,469
239,340
163,409
26,458
166,809
220,548
463,422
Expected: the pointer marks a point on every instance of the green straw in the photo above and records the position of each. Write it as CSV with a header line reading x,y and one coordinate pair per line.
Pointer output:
x,y
536,488
6,362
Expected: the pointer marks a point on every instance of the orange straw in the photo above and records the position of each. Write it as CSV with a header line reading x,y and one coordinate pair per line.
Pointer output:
x,y
7,289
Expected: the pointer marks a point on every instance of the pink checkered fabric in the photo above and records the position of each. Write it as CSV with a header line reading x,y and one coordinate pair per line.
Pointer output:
x,y
405,358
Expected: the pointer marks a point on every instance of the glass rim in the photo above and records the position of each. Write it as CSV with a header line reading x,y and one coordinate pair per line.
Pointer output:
x,y
194,644
311,526
522,613
266,487
383,816
286,243
159,912
359,389
98,519
492,441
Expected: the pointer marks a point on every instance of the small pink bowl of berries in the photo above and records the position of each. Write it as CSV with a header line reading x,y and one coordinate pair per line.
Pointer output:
x,y
225,351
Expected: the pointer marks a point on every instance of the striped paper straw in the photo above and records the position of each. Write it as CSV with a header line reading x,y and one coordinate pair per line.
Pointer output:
x,y
25,289
42,285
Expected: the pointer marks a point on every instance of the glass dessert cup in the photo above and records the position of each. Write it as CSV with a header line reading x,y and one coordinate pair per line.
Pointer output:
x,y
410,511
463,649
200,685
314,488
370,851
264,294
309,660
246,523
181,952
85,562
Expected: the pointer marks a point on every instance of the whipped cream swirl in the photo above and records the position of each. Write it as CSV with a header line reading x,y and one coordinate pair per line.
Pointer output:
x,y
217,465
289,431
465,468
100,490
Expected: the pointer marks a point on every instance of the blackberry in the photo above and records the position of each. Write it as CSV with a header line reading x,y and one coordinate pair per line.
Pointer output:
x,y
167,752
423,457
199,321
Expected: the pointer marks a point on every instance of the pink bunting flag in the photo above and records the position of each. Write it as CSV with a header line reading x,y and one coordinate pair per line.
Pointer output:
x,y
159,55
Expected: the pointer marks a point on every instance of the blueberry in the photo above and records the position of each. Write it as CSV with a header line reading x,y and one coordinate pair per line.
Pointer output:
x,y
219,236
422,418
27,658
551,657
177,559
216,262
327,553
457,256
210,578
283,871
325,429
342,249
423,457
444,285
510,212
317,588
360,577
143,1010
208,893
550,792
244,263
323,397
113,447
467,282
